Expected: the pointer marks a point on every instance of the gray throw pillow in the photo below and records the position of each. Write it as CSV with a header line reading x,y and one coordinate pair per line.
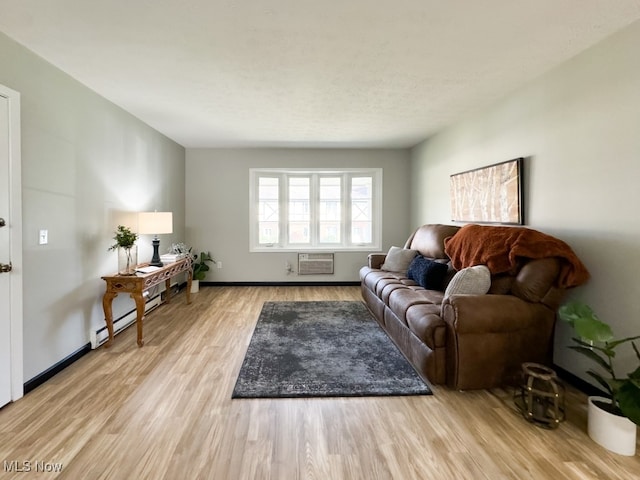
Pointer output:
x,y
471,281
398,259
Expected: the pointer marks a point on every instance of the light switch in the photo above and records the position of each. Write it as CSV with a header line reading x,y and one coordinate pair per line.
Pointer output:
x,y
43,239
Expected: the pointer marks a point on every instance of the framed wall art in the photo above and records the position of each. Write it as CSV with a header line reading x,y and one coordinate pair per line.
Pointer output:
x,y
491,194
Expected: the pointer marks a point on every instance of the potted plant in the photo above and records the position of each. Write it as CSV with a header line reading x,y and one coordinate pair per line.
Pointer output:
x,y
613,418
127,250
200,269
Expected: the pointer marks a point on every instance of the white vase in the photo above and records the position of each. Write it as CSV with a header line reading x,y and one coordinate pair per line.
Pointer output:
x,y
195,286
613,432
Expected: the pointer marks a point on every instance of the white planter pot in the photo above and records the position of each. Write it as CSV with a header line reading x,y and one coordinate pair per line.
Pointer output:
x,y
617,434
195,286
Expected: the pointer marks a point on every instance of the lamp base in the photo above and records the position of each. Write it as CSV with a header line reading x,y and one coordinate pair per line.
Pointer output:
x,y
155,260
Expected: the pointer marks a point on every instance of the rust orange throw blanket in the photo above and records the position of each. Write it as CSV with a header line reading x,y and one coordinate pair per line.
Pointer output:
x,y
500,247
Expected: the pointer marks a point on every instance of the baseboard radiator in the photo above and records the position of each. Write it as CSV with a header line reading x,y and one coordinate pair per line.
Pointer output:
x,y
315,263
101,335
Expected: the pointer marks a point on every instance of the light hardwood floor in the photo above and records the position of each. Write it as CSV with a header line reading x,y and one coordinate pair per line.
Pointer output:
x,y
164,411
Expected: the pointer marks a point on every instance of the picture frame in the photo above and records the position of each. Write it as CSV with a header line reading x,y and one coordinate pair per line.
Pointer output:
x,y
490,194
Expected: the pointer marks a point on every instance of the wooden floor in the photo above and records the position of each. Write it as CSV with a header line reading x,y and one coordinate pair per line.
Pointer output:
x,y
164,411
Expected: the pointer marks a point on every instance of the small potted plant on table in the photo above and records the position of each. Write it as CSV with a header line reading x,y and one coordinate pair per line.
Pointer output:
x,y
612,419
127,250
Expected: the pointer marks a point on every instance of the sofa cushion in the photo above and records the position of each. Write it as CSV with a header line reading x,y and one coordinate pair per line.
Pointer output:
x,y
398,259
371,277
429,239
501,284
535,278
385,291
400,300
474,280
427,273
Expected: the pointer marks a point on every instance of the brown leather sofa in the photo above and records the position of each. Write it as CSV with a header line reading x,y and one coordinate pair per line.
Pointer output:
x,y
470,341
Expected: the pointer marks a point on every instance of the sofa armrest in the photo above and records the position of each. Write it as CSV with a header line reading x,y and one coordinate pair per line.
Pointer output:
x,y
490,313
490,336
376,259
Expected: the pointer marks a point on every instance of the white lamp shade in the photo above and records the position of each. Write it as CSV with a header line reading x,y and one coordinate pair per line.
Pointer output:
x,y
155,222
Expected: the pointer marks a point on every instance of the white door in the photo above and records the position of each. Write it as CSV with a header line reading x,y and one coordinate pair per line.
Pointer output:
x,y
5,288
10,246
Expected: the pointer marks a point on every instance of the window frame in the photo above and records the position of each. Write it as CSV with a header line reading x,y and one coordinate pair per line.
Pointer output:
x,y
345,204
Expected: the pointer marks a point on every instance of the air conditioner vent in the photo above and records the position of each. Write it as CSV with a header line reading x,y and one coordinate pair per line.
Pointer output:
x,y
315,263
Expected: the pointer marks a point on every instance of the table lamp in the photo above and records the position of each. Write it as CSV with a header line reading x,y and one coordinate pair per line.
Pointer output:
x,y
155,223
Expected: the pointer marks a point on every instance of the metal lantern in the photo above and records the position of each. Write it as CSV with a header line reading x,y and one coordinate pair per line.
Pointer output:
x,y
540,398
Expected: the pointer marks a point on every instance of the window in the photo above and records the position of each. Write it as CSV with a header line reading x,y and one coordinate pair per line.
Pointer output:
x,y
269,211
315,209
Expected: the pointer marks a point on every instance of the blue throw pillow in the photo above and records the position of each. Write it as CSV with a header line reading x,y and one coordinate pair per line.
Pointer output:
x,y
427,273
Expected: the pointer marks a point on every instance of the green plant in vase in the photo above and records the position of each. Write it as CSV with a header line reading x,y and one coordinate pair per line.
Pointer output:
x,y
125,240
595,340
200,267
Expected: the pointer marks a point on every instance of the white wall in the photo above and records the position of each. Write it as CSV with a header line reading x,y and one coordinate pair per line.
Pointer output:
x,y
579,126
86,166
218,207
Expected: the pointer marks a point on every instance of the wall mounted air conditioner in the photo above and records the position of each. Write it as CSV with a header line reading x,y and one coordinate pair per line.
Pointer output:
x,y
315,263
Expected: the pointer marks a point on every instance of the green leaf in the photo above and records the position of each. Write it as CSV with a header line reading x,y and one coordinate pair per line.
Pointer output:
x,y
572,311
615,384
588,352
598,378
585,322
582,342
592,346
629,400
615,343
635,375
205,257
590,328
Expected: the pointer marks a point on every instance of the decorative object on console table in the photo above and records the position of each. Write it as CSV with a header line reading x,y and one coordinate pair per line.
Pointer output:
x,y
127,260
200,269
607,424
177,251
169,258
127,250
155,223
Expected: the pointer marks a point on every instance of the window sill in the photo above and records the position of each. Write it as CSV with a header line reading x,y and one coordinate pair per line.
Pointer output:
x,y
303,248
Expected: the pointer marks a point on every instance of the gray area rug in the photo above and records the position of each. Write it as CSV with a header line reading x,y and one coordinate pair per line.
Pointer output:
x,y
323,349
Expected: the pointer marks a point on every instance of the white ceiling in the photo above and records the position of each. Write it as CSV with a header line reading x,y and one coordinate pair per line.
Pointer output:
x,y
372,73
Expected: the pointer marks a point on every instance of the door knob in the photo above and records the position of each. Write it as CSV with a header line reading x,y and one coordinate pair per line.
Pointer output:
x,y
2,222
5,267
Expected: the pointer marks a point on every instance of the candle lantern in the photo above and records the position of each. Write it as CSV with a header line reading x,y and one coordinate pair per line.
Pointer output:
x,y
541,396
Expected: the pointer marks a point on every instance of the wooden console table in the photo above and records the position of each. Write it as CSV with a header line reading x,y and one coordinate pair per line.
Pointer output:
x,y
136,285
